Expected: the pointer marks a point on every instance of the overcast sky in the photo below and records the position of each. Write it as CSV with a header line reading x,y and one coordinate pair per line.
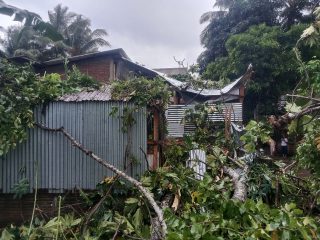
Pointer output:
x,y
150,31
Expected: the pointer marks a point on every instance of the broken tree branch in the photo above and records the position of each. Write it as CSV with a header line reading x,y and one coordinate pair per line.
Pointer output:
x,y
288,117
304,97
288,167
104,163
96,207
306,111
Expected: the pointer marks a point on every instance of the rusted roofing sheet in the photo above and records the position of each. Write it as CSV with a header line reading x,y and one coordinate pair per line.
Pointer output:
x,y
103,95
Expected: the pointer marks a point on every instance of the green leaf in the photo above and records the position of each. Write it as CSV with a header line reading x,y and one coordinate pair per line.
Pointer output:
x,y
174,236
132,201
146,181
272,226
292,108
76,222
5,235
293,126
137,219
290,206
52,223
285,235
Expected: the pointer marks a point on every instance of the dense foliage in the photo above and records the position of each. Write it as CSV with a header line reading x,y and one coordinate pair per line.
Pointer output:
x,y
231,17
21,90
262,33
276,69
197,209
194,209
142,91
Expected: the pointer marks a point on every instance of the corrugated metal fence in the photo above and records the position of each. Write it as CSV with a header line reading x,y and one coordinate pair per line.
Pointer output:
x,y
176,113
64,167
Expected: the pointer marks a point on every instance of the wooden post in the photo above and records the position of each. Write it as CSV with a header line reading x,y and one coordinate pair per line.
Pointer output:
x,y
155,162
241,93
175,98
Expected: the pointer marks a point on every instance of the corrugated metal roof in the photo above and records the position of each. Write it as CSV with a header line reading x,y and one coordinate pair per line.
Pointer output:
x,y
172,71
208,92
103,95
202,92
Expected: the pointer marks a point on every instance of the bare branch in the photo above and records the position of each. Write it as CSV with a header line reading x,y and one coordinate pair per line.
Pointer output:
x,y
104,163
304,97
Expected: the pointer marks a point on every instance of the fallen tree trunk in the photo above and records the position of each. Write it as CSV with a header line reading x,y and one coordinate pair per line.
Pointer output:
x,y
239,179
137,184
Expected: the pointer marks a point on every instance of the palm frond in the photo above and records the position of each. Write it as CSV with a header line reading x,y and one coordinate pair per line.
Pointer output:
x,y
99,33
206,17
93,44
19,14
48,30
209,16
224,3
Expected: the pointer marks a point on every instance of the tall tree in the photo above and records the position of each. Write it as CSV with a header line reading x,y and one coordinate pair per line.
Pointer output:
x,y
232,17
26,41
77,32
30,20
296,11
76,35
269,50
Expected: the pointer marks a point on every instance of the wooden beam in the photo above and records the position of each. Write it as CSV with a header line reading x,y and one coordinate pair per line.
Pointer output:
x,y
242,93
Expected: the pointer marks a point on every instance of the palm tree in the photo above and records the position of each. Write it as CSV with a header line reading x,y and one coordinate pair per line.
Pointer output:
x,y
82,39
18,42
296,11
76,31
221,8
60,18
34,39
30,19
25,41
65,34
292,12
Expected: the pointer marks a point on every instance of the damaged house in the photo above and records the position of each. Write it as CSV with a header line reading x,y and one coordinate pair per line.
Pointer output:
x,y
61,168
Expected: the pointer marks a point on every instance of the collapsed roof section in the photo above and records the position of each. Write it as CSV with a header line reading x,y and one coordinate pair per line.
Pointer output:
x,y
230,93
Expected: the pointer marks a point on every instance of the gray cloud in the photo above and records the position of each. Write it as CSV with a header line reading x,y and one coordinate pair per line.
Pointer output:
x,y
150,31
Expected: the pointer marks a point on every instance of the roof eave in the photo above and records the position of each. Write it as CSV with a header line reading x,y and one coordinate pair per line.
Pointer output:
x,y
119,52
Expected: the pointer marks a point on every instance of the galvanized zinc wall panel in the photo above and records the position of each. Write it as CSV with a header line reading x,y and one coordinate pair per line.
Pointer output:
x,y
59,165
176,113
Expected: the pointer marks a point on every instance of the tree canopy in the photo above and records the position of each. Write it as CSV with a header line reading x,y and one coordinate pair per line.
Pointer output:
x,y
261,33
234,17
